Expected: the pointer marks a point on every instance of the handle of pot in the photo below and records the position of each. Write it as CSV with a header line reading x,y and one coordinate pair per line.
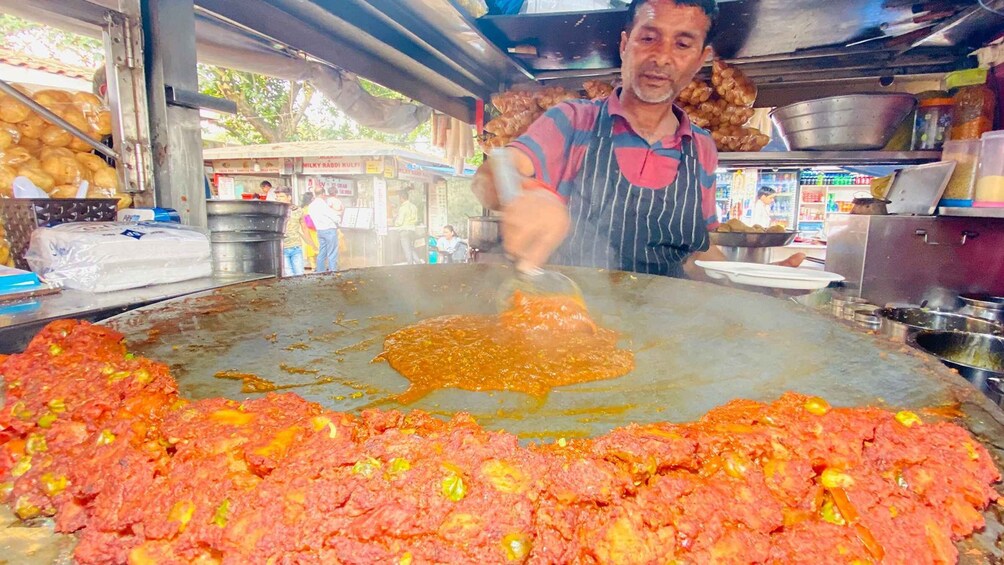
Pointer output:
x,y
966,236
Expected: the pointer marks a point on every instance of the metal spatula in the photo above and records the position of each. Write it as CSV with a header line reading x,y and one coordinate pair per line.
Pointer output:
x,y
534,280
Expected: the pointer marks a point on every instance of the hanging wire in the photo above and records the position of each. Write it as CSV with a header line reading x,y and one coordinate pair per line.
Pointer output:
x,y
983,4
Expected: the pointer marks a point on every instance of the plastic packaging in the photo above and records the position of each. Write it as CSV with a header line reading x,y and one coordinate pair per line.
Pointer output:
x,y
932,124
962,186
990,177
973,104
110,256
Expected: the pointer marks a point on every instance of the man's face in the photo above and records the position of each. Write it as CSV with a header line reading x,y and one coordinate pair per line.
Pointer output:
x,y
664,50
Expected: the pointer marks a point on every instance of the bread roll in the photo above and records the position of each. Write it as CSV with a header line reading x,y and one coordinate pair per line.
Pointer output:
x,y
32,126
42,179
55,136
90,160
13,111
106,178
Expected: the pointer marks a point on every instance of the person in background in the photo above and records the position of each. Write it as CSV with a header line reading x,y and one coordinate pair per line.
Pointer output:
x,y
294,235
452,249
267,190
310,250
326,221
761,208
406,221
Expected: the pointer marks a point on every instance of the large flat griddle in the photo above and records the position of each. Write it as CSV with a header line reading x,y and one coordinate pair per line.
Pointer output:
x,y
697,346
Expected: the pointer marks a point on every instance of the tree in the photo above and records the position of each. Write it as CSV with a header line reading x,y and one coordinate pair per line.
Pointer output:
x,y
45,42
269,110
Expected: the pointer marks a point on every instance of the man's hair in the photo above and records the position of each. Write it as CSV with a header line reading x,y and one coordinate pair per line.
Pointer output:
x,y
765,191
710,8
265,184
450,227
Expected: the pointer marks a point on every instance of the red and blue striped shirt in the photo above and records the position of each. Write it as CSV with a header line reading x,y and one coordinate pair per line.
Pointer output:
x,y
556,144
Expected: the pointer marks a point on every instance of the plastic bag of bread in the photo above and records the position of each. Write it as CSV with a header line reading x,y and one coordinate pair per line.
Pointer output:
x,y
738,138
552,96
511,125
36,175
13,111
695,93
713,111
597,89
66,170
732,85
736,115
697,117
513,101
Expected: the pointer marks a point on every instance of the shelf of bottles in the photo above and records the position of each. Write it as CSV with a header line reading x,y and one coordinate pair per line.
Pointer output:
x,y
723,193
785,185
826,193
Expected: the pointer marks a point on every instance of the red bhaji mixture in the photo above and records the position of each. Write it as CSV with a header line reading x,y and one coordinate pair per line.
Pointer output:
x,y
100,440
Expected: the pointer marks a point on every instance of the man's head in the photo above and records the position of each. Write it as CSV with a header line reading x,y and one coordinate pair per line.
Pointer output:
x,y
284,194
766,194
449,232
663,46
265,186
404,196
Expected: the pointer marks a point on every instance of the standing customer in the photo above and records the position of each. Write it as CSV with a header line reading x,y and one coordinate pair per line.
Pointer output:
x,y
406,221
761,208
310,250
294,235
326,221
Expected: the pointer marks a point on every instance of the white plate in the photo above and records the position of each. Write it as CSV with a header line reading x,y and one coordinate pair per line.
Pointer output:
x,y
770,276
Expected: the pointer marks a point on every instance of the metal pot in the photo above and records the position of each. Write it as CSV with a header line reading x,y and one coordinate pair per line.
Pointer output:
x,y
856,122
485,233
984,306
246,235
869,207
900,323
979,358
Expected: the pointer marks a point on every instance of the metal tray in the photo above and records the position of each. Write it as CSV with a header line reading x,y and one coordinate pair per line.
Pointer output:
x,y
744,239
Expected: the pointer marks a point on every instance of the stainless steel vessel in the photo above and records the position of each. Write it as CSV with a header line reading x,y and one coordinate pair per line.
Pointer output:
x,y
985,306
899,323
979,358
843,123
246,235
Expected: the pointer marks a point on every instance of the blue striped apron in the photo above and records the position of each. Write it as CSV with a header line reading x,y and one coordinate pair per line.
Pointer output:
x,y
617,225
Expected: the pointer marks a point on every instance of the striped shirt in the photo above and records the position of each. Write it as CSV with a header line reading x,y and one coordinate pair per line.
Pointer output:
x,y
556,144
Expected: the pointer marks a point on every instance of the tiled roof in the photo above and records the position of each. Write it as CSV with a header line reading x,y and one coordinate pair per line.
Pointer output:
x,y
8,57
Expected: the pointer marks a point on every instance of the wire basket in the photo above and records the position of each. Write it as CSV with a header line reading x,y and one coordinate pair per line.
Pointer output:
x,y
20,216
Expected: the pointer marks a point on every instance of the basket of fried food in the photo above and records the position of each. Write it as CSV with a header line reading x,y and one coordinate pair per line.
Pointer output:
x,y
734,233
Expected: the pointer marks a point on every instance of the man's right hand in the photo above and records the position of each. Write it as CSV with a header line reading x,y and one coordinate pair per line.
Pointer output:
x,y
534,225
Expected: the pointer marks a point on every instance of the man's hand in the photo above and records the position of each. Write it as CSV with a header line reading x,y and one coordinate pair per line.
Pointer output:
x,y
534,225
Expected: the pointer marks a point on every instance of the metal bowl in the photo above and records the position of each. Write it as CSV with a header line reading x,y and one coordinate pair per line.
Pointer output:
x,y
852,122
899,323
752,239
979,358
985,306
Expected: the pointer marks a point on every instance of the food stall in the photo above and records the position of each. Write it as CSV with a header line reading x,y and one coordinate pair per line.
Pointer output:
x,y
195,456
368,178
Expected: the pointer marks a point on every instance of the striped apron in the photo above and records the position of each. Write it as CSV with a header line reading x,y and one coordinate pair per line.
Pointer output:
x,y
617,225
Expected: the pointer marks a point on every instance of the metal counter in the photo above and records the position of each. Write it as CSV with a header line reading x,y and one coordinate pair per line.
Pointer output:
x,y
19,322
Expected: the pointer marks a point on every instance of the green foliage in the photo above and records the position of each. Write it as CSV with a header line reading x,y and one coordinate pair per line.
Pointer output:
x,y
269,110
40,40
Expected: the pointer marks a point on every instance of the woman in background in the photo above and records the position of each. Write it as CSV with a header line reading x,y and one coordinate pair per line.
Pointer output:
x,y
311,243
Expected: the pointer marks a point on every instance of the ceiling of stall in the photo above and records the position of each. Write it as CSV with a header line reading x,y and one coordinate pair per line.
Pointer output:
x,y
433,52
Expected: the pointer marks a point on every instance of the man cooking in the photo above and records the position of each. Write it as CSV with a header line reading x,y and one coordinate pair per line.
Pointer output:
x,y
625,182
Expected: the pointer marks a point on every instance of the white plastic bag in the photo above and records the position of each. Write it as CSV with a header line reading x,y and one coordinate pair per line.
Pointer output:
x,y
109,256
551,6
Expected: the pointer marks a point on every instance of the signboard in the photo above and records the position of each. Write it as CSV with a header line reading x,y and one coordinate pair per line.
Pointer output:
x,y
332,185
374,167
412,172
225,188
247,166
349,218
334,165
380,205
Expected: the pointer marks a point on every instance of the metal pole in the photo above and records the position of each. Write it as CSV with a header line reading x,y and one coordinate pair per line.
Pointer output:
x,y
53,118
175,132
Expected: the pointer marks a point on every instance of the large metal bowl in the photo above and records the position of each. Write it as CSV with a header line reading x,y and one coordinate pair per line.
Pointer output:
x,y
977,357
899,323
747,239
853,122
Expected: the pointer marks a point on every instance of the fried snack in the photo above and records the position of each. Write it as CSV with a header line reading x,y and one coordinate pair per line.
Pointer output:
x,y
12,111
15,156
106,178
696,92
512,125
597,89
36,175
90,160
63,191
737,138
7,174
55,136
33,126
552,96
513,101
47,152
732,85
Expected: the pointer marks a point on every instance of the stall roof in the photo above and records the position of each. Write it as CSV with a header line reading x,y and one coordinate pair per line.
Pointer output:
x,y
434,52
328,148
